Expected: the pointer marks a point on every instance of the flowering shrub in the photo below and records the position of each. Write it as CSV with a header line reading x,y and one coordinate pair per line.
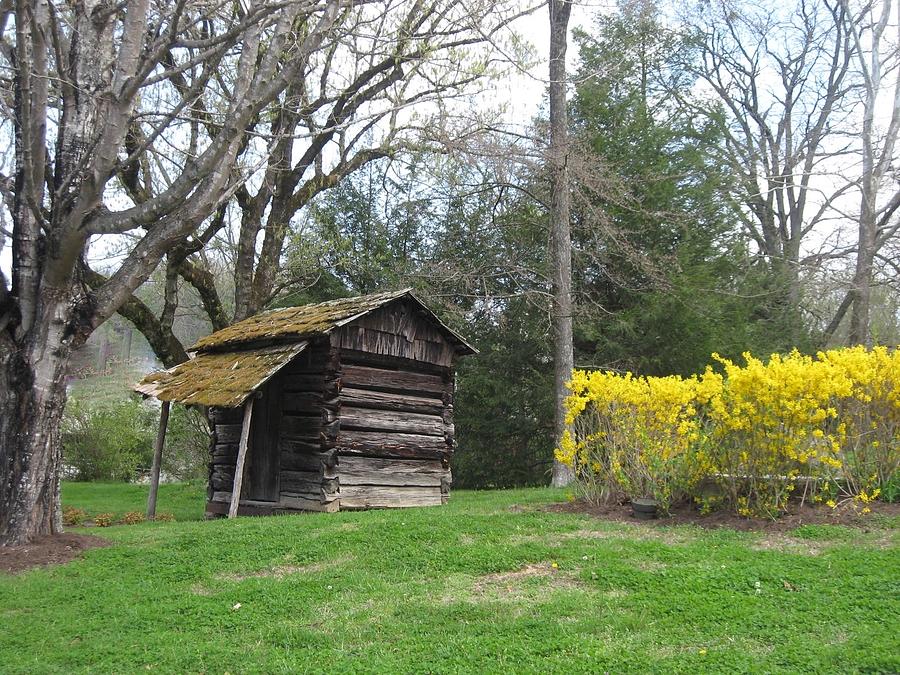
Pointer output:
x,y
827,425
633,435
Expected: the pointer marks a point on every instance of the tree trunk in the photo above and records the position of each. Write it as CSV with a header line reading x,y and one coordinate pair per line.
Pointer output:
x,y
32,398
560,230
862,276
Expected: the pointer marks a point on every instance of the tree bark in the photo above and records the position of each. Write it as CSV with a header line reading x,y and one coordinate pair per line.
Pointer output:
x,y
877,156
560,229
32,398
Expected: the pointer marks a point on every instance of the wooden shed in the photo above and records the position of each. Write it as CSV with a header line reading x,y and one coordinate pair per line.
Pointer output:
x,y
346,404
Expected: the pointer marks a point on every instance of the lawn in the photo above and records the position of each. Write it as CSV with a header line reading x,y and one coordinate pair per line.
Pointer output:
x,y
185,501
489,583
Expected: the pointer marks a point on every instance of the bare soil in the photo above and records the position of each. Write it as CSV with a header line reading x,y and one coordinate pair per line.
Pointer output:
x,y
54,549
686,514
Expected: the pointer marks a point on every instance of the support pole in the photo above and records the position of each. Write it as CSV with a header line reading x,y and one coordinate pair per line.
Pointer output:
x,y
157,459
242,455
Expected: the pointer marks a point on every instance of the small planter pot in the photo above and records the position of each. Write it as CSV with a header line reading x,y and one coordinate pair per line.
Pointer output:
x,y
644,509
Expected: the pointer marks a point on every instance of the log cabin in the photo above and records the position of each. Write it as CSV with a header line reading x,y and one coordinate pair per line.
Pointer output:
x,y
346,404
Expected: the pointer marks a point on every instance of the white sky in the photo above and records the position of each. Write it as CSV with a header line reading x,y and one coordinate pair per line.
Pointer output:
x,y
521,94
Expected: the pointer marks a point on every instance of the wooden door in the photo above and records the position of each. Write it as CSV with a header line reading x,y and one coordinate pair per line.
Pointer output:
x,y
262,473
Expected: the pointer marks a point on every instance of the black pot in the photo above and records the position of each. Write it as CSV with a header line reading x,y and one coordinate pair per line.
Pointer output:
x,y
644,509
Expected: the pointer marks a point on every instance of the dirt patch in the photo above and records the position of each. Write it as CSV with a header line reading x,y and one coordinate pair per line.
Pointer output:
x,y
786,544
509,583
278,572
687,515
54,549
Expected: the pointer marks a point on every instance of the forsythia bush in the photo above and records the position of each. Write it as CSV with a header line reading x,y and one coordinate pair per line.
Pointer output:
x,y
748,436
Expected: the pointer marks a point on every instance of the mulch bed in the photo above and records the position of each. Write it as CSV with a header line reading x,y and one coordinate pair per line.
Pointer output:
x,y
687,515
53,549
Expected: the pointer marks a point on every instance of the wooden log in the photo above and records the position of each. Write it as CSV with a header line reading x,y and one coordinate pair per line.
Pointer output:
x,y
303,383
389,420
241,459
389,479
358,358
294,446
381,400
369,496
398,466
301,481
393,453
221,477
384,440
364,377
228,433
299,427
224,416
331,429
299,503
219,505
299,403
157,459
397,472
224,453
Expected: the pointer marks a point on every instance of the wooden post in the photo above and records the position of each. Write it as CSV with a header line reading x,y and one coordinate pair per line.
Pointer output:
x,y
242,455
157,459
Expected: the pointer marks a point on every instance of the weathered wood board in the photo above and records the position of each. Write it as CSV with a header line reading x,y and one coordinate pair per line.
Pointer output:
x,y
384,443
400,381
389,420
390,472
373,496
380,400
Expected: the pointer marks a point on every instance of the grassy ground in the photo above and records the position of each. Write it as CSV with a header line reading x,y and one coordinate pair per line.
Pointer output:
x,y
489,583
185,501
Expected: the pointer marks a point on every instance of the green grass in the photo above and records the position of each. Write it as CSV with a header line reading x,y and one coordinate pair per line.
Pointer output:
x,y
470,587
186,501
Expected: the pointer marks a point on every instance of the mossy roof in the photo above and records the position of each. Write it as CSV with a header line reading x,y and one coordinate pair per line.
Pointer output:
x,y
310,321
233,362
224,379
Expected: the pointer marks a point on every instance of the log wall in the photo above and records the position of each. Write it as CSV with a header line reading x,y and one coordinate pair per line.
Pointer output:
x,y
395,435
366,420
309,387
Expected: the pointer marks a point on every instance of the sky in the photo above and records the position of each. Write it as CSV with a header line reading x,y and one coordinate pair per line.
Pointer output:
x,y
521,93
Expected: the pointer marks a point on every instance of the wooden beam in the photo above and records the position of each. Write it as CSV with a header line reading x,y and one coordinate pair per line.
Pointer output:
x,y
242,456
157,459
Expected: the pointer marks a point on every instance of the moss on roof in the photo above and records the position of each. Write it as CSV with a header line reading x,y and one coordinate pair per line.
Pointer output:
x,y
309,321
223,379
301,322
233,362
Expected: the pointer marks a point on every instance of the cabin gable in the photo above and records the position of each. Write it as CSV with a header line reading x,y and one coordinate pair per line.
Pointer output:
x,y
399,329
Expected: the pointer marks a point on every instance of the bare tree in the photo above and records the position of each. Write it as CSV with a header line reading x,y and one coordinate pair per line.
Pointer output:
x,y
388,86
780,81
91,87
560,227
878,61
